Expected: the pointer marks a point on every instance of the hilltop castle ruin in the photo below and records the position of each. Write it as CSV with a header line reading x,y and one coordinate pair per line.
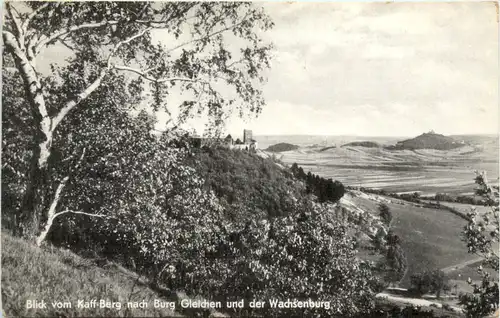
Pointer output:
x,y
248,142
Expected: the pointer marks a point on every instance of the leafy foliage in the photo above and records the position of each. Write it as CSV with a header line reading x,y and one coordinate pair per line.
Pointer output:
x,y
91,174
481,235
184,233
460,199
367,144
306,255
385,214
395,258
429,281
53,274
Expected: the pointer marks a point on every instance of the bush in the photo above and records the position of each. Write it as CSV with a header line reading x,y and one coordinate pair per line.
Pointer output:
x,y
303,256
429,281
385,213
395,259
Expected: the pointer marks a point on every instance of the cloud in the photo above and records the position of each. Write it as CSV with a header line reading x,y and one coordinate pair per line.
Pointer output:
x,y
382,69
375,68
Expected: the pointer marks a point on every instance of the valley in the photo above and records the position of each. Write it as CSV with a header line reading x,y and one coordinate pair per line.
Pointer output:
x,y
426,171
431,237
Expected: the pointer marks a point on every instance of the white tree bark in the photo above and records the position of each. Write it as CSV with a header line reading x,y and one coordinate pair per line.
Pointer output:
x,y
51,214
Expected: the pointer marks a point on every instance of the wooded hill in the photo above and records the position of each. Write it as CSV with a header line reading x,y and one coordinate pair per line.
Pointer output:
x,y
282,146
429,140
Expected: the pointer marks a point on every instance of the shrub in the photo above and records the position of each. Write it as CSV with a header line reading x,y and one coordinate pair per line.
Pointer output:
x,y
429,281
307,255
385,213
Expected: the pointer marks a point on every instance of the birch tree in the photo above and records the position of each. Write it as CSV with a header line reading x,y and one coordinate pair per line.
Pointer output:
x,y
118,41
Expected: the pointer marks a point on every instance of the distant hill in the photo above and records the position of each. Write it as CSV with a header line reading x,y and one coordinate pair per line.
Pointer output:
x,y
429,140
282,146
368,144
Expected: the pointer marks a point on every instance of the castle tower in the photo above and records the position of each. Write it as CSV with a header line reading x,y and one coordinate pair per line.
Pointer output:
x,y
247,136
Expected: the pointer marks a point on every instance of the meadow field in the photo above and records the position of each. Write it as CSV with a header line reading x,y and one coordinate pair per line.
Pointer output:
x,y
430,237
425,171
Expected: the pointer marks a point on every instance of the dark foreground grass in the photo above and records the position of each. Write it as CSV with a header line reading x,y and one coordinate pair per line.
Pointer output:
x,y
50,274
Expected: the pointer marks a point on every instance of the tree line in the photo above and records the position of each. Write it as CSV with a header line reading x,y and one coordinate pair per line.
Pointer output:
x,y
326,190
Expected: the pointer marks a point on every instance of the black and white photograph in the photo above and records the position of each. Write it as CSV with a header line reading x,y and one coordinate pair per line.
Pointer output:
x,y
250,159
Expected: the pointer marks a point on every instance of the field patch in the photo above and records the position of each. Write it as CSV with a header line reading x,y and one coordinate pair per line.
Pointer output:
x,y
425,170
430,237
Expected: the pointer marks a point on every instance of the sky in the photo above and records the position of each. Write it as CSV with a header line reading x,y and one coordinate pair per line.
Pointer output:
x,y
377,69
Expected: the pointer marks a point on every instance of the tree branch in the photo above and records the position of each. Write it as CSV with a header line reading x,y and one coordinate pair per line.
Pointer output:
x,y
30,79
157,80
166,19
17,24
73,103
32,15
119,44
80,212
92,87
10,40
75,28
90,25
208,35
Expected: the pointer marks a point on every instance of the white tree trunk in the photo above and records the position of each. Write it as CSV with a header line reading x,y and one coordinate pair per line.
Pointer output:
x,y
33,199
51,214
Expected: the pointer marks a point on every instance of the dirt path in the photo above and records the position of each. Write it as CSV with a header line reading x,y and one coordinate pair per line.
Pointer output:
x,y
461,265
414,301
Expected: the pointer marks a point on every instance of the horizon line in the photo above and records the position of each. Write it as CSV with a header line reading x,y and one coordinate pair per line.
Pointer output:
x,y
392,136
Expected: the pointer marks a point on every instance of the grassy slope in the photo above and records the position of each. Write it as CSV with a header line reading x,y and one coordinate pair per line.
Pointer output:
x,y
431,238
53,274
